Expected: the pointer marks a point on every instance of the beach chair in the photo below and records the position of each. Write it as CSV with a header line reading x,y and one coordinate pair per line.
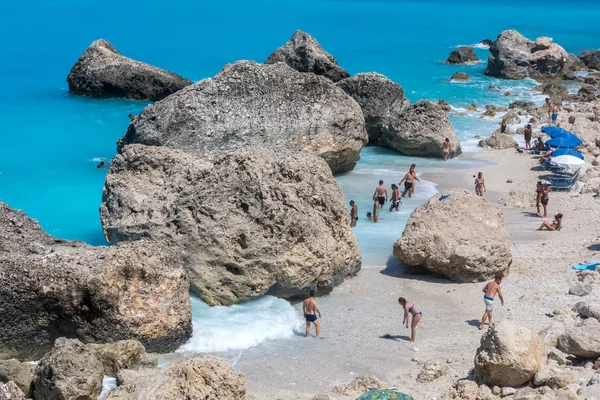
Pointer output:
x,y
564,181
548,166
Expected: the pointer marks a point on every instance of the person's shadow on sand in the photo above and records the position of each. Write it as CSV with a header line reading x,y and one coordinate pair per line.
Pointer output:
x,y
473,322
394,337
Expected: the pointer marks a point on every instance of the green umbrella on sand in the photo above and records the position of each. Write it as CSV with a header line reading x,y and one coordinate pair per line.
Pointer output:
x,y
384,394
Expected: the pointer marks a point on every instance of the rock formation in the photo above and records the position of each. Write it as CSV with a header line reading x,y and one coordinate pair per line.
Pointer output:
x,y
581,341
462,237
380,99
69,371
51,288
509,355
304,54
591,59
512,117
20,373
253,105
463,54
460,76
498,141
420,131
556,92
10,391
255,222
102,72
513,56
124,354
197,377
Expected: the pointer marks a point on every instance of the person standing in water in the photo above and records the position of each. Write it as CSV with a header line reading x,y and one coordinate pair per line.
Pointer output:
x,y
446,149
396,201
381,194
409,181
410,308
353,214
490,290
310,309
480,185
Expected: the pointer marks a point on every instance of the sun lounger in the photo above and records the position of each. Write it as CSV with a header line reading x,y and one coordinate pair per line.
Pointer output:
x,y
564,181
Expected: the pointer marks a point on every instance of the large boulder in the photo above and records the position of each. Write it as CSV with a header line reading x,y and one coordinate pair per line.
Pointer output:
x,y
124,354
509,355
380,99
51,288
463,54
21,373
69,371
498,140
421,130
102,72
591,59
10,391
253,105
255,222
581,341
462,237
554,91
513,56
304,54
198,377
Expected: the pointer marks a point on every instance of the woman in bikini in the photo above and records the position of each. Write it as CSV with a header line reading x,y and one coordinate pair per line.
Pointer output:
x,y
410,308
544,199
446,148
539,191
556,225
480,185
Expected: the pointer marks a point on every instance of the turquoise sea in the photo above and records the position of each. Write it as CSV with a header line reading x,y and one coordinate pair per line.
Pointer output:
x,y
51,141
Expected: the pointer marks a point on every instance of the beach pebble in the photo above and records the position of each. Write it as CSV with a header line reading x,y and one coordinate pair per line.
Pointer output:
x,y
496,391
581,289
594,380
508,391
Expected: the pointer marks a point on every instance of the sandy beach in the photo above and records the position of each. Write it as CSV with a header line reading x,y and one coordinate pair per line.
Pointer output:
x,y
360,313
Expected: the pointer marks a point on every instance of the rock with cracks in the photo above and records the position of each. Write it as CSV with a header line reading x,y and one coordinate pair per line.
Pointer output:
x,y
591,59
421,131
581,341
21,373
304,54
463,54
253,105
253,223
462,237
51,288
102,72
380,99
124,354
197,377
509,355
513,56
498,140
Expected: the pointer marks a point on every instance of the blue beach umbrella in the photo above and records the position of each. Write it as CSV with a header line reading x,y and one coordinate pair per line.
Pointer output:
x,y
555,131
567,152
568,142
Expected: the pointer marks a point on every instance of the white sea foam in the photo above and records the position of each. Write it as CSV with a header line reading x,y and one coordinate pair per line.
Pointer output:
x,y
475,46
108,385
240,326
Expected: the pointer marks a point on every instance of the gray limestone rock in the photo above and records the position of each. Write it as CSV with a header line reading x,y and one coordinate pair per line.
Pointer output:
x,y
591,59
581,341
20,373
463,54
102,72
581,289
460,76
498,141
124,354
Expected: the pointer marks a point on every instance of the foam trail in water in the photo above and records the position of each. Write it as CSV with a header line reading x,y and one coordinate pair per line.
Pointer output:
x,y
240,326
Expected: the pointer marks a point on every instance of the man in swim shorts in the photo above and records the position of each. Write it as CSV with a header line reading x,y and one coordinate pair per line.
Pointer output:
x,y
409,181
381,194
310,309
490,291
554,114
353,213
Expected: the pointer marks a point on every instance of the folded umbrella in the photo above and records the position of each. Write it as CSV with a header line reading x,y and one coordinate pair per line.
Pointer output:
x,y
568,142
567,152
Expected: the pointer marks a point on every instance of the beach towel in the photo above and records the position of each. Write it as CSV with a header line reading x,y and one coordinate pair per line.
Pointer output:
x,y
586,266
444,197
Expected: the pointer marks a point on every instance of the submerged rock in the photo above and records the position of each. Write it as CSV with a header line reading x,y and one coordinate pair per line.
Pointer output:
x,y
51,288
253,105
255,222
462,237
102,72
591,59
463,54
421,131
380,99
460,76
509,355
498,140
197,377
513,56
304,54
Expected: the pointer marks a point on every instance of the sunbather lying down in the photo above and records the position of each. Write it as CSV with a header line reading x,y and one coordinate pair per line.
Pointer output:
x,y
556,225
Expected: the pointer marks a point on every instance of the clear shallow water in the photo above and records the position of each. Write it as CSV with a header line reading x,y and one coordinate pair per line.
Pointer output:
x,y
50,141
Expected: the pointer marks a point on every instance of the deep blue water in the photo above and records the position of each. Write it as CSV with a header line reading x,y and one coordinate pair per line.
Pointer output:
x,y
49,139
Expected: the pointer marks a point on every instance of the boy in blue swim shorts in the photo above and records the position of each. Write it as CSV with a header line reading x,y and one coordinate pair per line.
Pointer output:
x,y
490,290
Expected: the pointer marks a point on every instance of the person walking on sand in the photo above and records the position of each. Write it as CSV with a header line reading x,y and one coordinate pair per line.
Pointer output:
x,y
446,149
353,213
410,308
554,114
381,194
409,181
527,133
396,201
539,192
480,185
490,290
310,309
556,225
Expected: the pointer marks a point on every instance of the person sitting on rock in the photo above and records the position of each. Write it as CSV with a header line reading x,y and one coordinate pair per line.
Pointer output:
x,y
556,225
490,290
410,308
353,214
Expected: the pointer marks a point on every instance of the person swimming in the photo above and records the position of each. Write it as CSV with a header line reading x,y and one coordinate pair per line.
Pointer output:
x,y
101,165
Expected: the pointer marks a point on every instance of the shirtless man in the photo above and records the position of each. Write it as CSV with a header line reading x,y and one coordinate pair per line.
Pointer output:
x,y
353,214
550,108
554,114
381,194
490,291
310,310
409,182
396,201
